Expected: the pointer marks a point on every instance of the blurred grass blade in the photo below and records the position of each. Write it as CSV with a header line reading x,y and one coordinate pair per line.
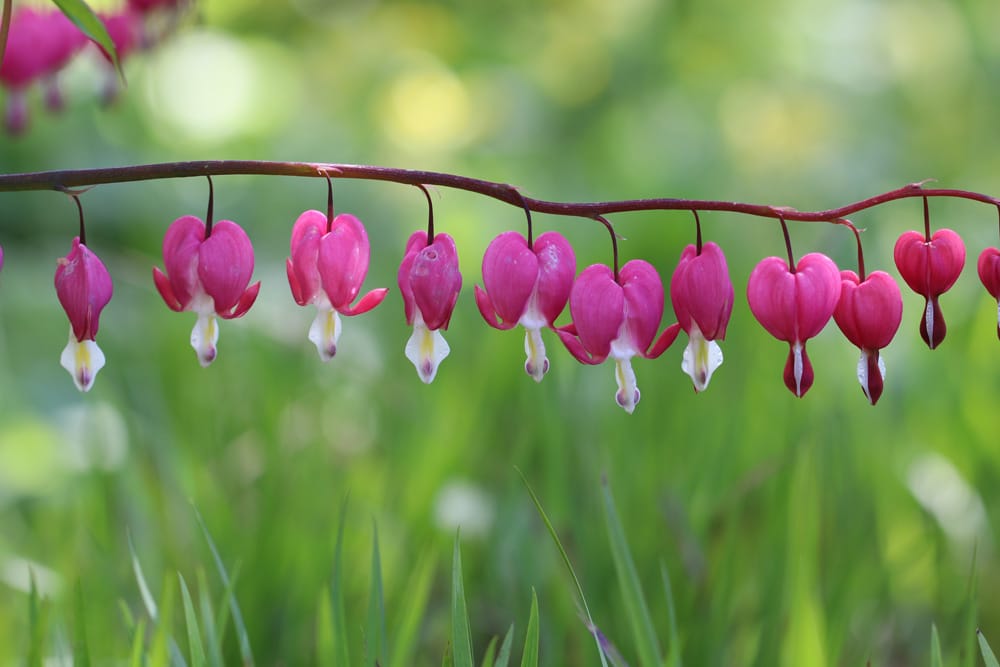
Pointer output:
x,y
163,648
674,647
446,660
325,649
530,656
503,657
138,641
635,603
81,650
241,630
969,627
489,658
36,625
935,648
147,598
375,637
414,605
591,627
984,646
195,646
212,638
341,652
461,637
80,13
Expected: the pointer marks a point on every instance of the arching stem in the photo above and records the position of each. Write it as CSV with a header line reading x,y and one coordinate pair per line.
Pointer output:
x,y
211,207
927,221
614,242
430,213
79,208
861,252
527,213
788,243
697,227
329,203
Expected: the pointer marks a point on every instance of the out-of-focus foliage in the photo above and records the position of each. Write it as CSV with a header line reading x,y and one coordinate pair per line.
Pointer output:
x,y
818,531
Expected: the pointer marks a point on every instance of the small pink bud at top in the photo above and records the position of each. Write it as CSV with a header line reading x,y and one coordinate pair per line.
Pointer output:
x,y
327,268
930,268
430,281
209,276
618,319
869,314
702,295
84,288
989,274
526,286
125,30
794,307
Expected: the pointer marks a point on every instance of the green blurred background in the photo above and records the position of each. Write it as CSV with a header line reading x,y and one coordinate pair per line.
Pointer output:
x,y
818,531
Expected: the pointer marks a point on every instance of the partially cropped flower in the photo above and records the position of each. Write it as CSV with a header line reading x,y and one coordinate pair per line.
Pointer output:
x,y
208,276
618,320
989,274
702,296
794,306
869,313
527,286
326,269
1,258
83,286
429,281
930,268
125,30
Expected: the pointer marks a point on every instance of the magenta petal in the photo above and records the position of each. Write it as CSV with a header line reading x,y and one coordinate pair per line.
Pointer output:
x,y
702,292
166,291
869,312
930,269
343,260
367,302
662,343
771,295
436,281
643,292
798,374
556,270
84,288
180,256
302,266
575,347
416,243
597,307
488,312
988,268
510,271
247,300
225,264
817,283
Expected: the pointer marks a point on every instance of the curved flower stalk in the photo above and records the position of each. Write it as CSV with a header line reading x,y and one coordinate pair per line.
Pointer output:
x,y
794,306
328,264
208,274
702,295
869,312
989,273
930,265
84,288
618,319
527,286
429,280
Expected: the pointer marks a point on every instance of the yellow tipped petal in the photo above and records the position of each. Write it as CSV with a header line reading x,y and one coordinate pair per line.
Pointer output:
x,y
537,364
82,359
628,391
426,349
325,332
204,337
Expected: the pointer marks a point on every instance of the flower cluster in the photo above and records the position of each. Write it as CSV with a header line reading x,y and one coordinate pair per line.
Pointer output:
x,y
614,313
41,43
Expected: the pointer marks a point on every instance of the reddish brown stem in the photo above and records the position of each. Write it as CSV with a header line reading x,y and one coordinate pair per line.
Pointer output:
x,y
55,180
430,213
614,242
861,252
4,27
788,243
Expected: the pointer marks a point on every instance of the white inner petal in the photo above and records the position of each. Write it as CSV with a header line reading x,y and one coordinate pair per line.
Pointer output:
x,y
325,332
628,392
701,358
83,359
537,364
426,349
204,338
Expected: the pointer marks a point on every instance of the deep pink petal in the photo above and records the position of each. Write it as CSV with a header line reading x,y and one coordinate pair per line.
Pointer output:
x,y
988,268
435,281
367,302
702,292
166,291
343,260
817,284
416,243
488,312
771,296
597,307
180,256
302,267
798,376
661,344
247,300
556,270
869,312
510,272
569,338
84,288
225,264
930,269
643,292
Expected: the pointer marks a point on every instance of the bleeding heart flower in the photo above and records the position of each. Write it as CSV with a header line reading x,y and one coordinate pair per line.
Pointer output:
x,y
617,319
83,286
702,296
930,268
207,275
794,307
327,268
430,281
527,286
869,313
989,273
